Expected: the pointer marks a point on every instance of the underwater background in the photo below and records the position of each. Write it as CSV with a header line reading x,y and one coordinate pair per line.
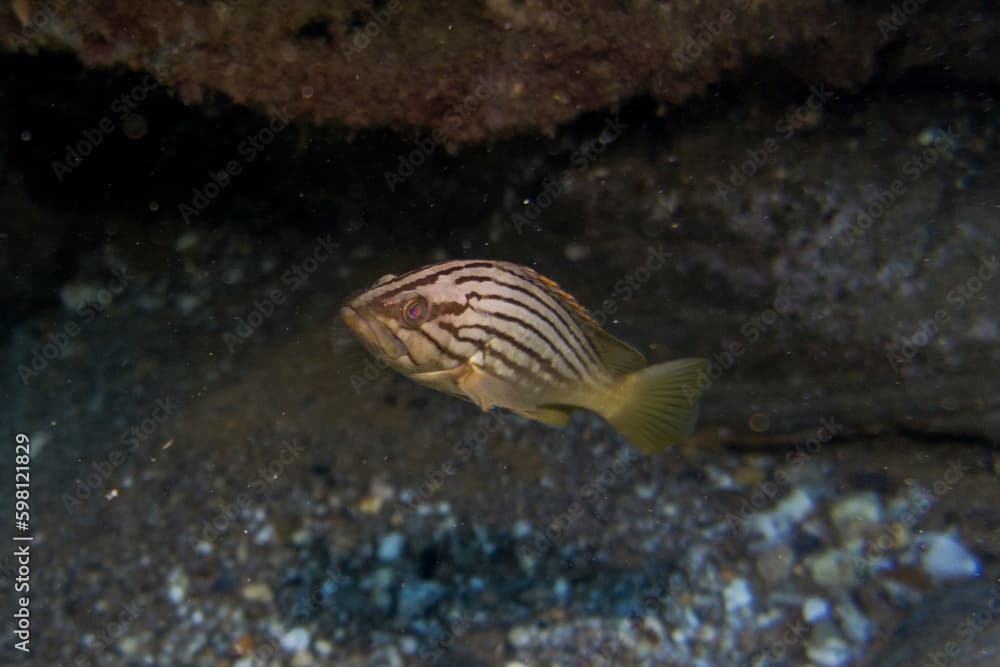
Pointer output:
x,y
204,468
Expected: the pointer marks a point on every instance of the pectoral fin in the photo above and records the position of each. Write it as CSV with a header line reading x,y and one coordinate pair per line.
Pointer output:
x,y
484,388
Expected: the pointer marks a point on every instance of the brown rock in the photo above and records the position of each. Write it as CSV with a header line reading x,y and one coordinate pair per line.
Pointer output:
x,y
476,71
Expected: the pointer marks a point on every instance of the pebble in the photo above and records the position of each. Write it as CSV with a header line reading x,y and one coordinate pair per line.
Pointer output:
x,y
129,645
256,592
646,491
737,595
264,535
417,597
651,638
390,548
814,609
775,565
831,652
243,645
382,585
561,588
832,568
522,529
295,640
409,645
520,636
855,624
370,504
177,584
944,557
773,526
75,296
852,514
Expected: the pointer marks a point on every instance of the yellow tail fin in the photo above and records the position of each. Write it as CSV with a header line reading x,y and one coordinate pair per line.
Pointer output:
x,y
656,406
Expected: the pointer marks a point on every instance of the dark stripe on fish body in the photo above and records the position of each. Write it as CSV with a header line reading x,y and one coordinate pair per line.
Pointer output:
x,y
564,334
545,363
522,374
558,310
538,334
402,345
554,292
425,280
440,348
448,308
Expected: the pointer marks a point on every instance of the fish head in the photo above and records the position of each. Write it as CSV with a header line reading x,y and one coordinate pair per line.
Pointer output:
x,y
389,324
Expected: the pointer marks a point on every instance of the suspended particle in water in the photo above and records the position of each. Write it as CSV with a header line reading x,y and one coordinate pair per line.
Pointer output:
x,y
26,135
134,126
759,422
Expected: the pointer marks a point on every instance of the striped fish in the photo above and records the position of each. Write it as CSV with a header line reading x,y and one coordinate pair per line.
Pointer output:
x,y
499,334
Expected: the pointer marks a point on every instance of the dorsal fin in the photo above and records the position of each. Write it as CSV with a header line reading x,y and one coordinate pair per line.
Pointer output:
x,y
618,357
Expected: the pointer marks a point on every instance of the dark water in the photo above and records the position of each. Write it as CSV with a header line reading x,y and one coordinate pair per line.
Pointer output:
x,y
219,475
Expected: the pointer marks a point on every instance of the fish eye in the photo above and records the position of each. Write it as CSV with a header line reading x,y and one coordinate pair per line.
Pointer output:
x,y
415,311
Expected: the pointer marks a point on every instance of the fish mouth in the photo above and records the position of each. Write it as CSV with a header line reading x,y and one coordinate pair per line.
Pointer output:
x,y
374,335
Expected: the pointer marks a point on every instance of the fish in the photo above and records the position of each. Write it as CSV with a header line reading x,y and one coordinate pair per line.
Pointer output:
x,y
500,334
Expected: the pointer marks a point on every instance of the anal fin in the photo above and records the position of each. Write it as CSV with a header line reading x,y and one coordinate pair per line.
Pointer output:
x,y
552,415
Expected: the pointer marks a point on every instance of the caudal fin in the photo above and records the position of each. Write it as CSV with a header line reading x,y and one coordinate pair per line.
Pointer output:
x,y
656,406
